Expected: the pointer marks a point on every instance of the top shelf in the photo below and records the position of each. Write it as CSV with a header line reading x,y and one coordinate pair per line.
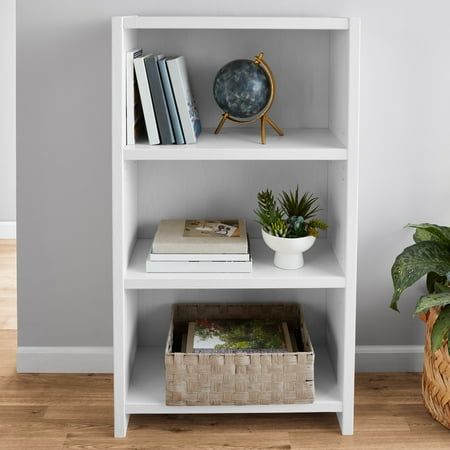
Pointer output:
x,y
243,143
246,23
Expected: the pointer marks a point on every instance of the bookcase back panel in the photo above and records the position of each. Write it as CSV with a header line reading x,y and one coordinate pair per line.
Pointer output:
x,y
220,189
299,60
155,308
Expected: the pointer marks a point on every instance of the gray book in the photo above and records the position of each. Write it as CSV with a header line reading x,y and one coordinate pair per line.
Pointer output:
x,y
170,100
159,101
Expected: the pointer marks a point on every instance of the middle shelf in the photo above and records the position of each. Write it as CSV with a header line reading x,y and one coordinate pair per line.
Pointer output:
x,y
321,270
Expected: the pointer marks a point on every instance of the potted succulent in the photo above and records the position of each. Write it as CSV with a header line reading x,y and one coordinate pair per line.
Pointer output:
x,y
289,228
430,256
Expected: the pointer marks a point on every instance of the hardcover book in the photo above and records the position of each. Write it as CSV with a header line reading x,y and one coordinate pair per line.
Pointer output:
x,y
200,236
136,131
146,100
159,100
170,100
187,109
238,336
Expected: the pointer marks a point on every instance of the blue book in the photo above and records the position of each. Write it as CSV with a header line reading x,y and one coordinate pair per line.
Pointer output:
x,y
159,101
170,99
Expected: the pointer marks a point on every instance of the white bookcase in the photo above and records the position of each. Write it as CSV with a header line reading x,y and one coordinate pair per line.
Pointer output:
x,y
316,66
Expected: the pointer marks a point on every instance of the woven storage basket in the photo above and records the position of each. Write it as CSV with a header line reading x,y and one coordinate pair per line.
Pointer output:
x,y
239,379
436,375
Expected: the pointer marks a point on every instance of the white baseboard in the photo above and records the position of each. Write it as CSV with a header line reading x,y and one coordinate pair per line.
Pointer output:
x,y
7,230
369,358
64,360
389,358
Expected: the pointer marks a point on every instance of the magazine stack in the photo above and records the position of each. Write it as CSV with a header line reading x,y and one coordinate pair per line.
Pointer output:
x,y
194,245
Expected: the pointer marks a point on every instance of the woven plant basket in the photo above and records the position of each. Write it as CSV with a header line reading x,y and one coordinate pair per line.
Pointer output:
x,y
195,379
436,375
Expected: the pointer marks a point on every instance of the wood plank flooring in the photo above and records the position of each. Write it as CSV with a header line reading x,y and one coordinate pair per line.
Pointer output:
x,y
76,412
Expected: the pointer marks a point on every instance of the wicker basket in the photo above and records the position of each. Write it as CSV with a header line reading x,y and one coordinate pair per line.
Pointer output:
x,y
436,375
239,379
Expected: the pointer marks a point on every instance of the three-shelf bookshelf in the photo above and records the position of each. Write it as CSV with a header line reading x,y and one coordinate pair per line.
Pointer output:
x,y
316,63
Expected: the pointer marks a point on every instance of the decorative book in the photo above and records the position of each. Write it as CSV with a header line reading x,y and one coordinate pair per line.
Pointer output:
x,y
201,236
238,336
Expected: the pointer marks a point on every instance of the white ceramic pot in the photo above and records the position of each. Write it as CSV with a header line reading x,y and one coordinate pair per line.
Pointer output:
x,y
288,251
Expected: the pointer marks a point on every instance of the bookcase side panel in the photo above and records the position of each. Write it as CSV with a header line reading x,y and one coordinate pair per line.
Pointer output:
x,y
339,85
121,42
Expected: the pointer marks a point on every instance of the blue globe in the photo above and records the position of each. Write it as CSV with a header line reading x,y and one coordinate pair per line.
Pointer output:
x,y
242,88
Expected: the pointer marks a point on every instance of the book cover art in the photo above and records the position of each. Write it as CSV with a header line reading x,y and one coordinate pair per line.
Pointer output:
x,y
211,228
238,336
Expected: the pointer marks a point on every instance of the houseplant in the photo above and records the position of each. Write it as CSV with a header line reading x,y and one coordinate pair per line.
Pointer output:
x,y
430,255
289,225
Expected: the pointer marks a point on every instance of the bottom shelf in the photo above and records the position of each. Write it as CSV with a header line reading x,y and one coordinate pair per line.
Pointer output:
x,y
146,393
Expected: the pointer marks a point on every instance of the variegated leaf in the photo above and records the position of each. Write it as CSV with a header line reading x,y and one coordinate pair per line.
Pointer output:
x,y
415,262
441,329
430,232
431,301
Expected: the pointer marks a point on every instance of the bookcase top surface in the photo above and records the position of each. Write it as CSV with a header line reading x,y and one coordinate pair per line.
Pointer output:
x,y
230,22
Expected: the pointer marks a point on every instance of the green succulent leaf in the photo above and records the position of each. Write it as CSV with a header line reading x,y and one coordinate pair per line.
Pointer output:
x,y
431,232
441,329
304,207
415,262
429,301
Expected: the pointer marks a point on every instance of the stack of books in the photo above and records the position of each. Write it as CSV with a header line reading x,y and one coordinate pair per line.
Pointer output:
x,y
160,106
238,336
195,245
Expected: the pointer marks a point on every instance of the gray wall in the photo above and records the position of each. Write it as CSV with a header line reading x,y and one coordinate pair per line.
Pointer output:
x,y
7,111
64,162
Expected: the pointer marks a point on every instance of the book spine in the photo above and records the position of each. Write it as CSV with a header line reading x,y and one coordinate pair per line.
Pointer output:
x,y
146,100
159,101
170,99
130,77
187,110
197,267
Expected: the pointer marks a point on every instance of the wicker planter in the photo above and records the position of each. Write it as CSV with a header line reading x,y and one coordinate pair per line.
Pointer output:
x,y
436,376
239,379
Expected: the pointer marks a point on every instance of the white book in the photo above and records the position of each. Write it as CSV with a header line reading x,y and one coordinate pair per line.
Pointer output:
x,y
132,96
198,266
234,257
146,100
187,110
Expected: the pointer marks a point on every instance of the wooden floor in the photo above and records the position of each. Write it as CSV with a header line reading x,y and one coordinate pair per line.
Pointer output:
x,y
76,411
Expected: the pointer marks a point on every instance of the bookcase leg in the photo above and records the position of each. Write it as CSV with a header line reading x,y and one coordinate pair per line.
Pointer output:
x,y
345,420
121,425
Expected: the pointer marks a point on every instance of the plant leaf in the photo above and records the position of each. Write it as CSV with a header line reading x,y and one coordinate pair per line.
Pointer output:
x,y
431,301
416,261
432,279
430,232
441,329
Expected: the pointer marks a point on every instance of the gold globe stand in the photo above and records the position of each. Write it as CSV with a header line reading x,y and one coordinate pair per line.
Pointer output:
x,y
263,115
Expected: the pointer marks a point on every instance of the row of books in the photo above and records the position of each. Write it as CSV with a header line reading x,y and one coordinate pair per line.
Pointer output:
x,y
194,245
238,336
160,106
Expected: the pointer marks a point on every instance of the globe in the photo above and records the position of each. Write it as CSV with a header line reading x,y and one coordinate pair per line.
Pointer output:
x,y
242,88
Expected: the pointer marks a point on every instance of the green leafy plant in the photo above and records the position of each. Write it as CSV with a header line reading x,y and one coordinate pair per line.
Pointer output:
x,y
430,256
291,217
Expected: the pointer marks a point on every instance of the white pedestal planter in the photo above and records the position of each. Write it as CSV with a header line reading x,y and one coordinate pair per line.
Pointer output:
x,y
288,251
